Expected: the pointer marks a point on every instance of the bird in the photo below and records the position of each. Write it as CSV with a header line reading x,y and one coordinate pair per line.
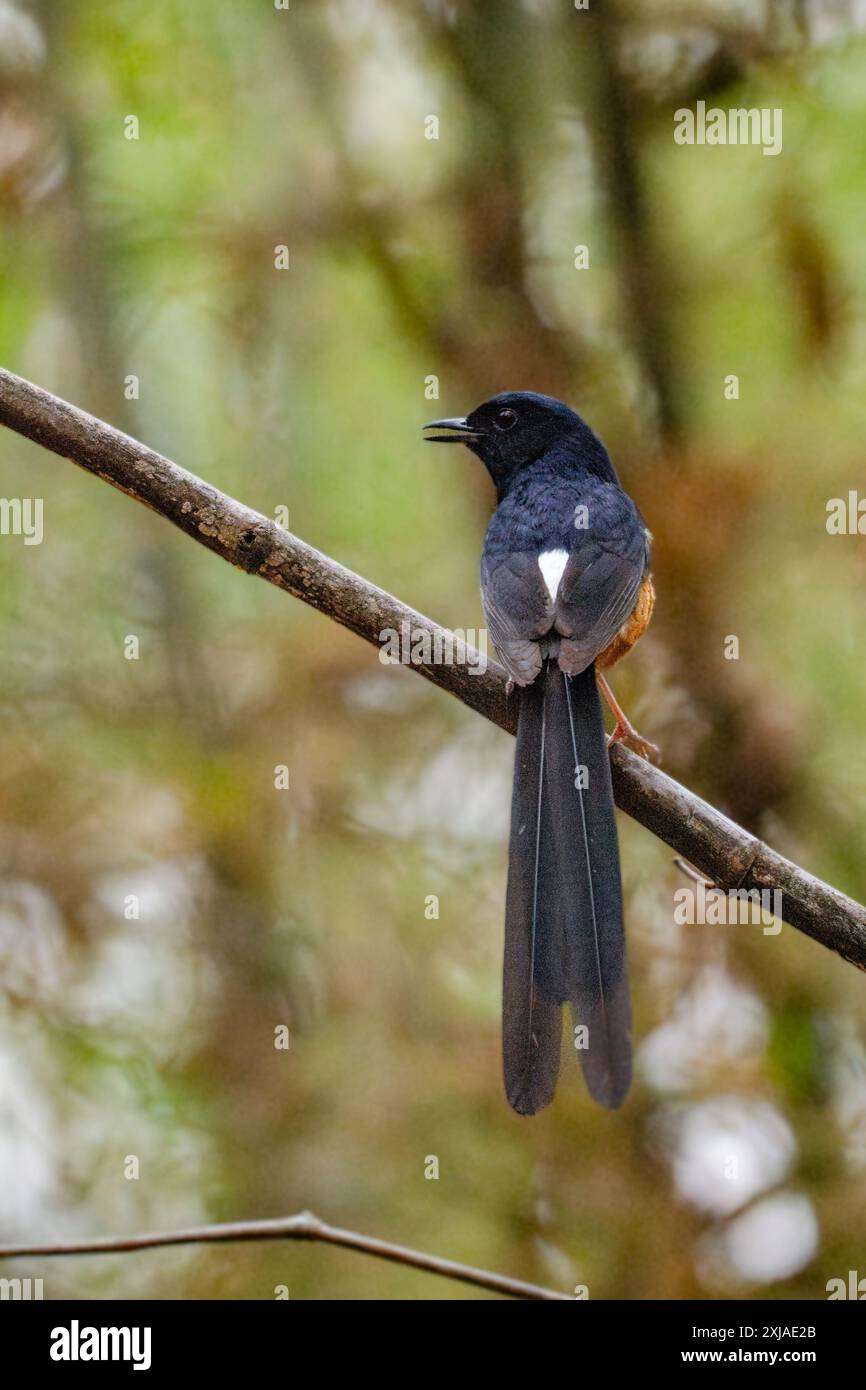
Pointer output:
x,y
566,590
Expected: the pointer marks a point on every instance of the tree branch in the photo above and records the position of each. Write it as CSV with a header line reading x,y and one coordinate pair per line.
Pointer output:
x,y
303,1226
728,855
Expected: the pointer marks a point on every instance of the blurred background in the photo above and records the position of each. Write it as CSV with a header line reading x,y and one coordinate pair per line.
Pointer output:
x,y
424,255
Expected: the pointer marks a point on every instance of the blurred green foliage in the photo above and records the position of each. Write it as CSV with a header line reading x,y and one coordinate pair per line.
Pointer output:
x,y
305,388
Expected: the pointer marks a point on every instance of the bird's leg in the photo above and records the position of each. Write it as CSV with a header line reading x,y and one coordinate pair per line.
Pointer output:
x,y
625,732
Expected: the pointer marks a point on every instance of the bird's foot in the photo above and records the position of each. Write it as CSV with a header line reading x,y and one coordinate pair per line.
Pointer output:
x,y
626,733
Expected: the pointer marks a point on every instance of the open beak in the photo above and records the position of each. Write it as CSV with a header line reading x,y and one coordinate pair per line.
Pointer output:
x,y
457,431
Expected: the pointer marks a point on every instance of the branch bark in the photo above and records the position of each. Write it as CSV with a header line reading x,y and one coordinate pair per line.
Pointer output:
x,y
303,1226
728,855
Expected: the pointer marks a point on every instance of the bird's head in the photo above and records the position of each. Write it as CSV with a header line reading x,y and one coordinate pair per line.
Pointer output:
x,y
515,428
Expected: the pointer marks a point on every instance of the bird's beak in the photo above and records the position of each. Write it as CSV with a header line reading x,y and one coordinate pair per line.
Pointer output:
x,y
458,431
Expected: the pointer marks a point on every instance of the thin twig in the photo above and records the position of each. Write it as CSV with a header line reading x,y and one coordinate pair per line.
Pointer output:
x,y
691,873
303,1226
729,856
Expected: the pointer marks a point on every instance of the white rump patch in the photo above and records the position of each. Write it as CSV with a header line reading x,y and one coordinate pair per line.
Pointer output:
x,y
552,563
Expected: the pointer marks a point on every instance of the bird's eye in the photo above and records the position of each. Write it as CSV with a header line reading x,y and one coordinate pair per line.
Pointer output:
x,y
505,419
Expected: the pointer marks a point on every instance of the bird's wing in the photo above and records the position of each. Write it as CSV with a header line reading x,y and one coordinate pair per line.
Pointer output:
x,y
518,610
598,591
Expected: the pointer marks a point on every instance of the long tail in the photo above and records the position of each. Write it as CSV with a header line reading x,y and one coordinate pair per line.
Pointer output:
x,y
564,939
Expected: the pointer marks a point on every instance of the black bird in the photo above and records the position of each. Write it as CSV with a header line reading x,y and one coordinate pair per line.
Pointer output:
x,y
566,590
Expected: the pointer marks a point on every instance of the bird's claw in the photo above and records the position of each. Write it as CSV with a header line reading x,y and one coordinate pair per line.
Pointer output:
x,y
627,734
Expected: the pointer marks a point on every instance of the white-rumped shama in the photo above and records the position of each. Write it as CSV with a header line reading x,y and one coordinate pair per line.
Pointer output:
x,y
566,590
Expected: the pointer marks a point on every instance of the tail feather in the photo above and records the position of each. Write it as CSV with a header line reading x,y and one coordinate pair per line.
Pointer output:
x,y
531,1008
564,939
591,893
